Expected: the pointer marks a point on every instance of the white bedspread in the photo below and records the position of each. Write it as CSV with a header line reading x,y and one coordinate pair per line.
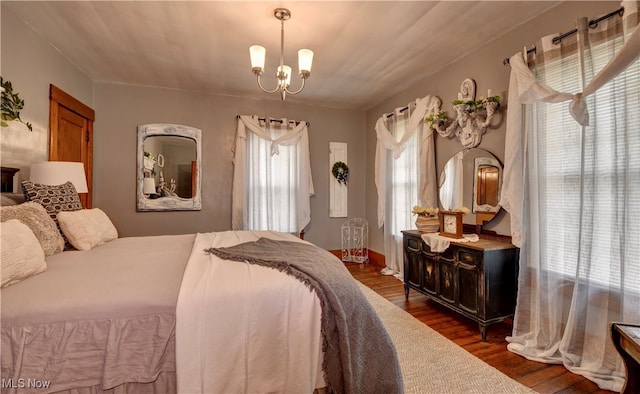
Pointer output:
x,y
244,328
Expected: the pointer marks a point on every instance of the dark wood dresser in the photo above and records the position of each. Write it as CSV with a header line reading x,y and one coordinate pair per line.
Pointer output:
x,y
476,279
626,338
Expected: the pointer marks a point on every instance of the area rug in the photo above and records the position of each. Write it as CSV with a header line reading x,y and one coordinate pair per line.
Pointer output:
x,y
431,363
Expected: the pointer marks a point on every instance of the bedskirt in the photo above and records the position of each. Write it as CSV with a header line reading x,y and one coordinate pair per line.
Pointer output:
x,y
96,318
165,383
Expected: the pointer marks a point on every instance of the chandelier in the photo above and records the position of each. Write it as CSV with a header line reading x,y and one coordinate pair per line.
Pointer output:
x,y
283,73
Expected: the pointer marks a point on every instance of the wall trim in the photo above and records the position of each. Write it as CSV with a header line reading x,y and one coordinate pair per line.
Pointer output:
x,y
374,257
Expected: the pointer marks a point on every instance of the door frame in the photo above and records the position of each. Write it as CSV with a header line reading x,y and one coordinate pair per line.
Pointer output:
x,y
59,98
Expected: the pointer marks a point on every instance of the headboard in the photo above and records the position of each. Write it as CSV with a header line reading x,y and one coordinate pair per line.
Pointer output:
x,y
12,198
6,180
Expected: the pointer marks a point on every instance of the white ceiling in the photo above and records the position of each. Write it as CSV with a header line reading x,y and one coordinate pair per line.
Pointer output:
x,y
364,51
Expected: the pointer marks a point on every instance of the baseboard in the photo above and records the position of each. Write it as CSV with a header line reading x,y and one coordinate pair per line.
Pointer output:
x,y
377,258
374,257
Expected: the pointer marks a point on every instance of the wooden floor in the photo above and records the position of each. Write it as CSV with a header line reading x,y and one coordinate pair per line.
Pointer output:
x,y
543,378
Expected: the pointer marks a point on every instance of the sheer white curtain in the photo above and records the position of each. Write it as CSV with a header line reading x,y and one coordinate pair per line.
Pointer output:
x,y
574,189
405,174
272,175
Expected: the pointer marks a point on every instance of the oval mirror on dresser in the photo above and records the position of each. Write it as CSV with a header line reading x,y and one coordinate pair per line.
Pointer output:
x,y
472,178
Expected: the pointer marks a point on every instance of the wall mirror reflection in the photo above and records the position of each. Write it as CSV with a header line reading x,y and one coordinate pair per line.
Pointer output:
x,y
472,178
169,168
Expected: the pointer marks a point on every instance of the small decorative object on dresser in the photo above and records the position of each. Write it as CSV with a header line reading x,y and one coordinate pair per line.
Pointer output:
x,y
427,220
451,224
475,279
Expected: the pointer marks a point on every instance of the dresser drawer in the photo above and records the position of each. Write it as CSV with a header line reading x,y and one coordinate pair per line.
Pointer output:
x,y
468,257
413,243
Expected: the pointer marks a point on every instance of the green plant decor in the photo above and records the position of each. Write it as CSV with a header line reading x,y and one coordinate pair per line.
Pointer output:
x,y
12,104
438,118
477,105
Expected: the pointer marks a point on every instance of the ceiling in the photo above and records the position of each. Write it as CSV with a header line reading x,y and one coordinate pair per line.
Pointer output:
x,y
364,51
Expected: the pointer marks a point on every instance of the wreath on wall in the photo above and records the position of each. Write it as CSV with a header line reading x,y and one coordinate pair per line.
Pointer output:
x,y
341,172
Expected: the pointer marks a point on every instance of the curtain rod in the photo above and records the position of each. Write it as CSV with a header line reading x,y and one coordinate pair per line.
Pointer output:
x,y
592,24
401,110
277,120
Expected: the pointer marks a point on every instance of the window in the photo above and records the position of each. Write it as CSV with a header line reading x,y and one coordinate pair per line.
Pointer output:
x,y
401,192
589,182
404,181
273,184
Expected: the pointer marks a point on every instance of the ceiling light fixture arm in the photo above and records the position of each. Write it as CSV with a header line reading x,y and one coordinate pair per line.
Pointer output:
x,y
262,88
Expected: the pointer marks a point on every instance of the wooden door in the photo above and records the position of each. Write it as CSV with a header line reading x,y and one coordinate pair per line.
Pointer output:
x,y
488,179
71,134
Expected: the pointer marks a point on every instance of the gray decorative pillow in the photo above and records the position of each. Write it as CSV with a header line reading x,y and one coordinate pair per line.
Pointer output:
x,y
54,198
36,218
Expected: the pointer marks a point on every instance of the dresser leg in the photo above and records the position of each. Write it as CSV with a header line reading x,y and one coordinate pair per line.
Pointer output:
x,y
483,332
632,381
406,292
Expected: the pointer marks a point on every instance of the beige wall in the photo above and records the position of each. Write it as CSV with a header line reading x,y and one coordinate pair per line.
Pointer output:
x,y
120,109
486,68
31,64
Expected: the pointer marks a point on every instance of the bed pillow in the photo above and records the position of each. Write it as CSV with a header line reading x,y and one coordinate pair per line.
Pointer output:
x,y
22,255
36,218
87,228
54,198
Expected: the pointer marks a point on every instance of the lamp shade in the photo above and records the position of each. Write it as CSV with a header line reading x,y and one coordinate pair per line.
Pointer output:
x,y
257,54
148,186
305,59
58,173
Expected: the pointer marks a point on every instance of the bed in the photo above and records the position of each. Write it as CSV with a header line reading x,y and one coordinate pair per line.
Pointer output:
x,y
160,314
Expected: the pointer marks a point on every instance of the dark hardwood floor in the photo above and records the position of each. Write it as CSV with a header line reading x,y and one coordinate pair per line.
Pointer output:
x,y
543,378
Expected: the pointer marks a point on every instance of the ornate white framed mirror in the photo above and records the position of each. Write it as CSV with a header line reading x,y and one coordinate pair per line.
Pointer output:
x,y
169,168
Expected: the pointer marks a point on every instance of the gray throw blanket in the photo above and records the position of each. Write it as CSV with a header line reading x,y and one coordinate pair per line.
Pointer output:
x,y
359,356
